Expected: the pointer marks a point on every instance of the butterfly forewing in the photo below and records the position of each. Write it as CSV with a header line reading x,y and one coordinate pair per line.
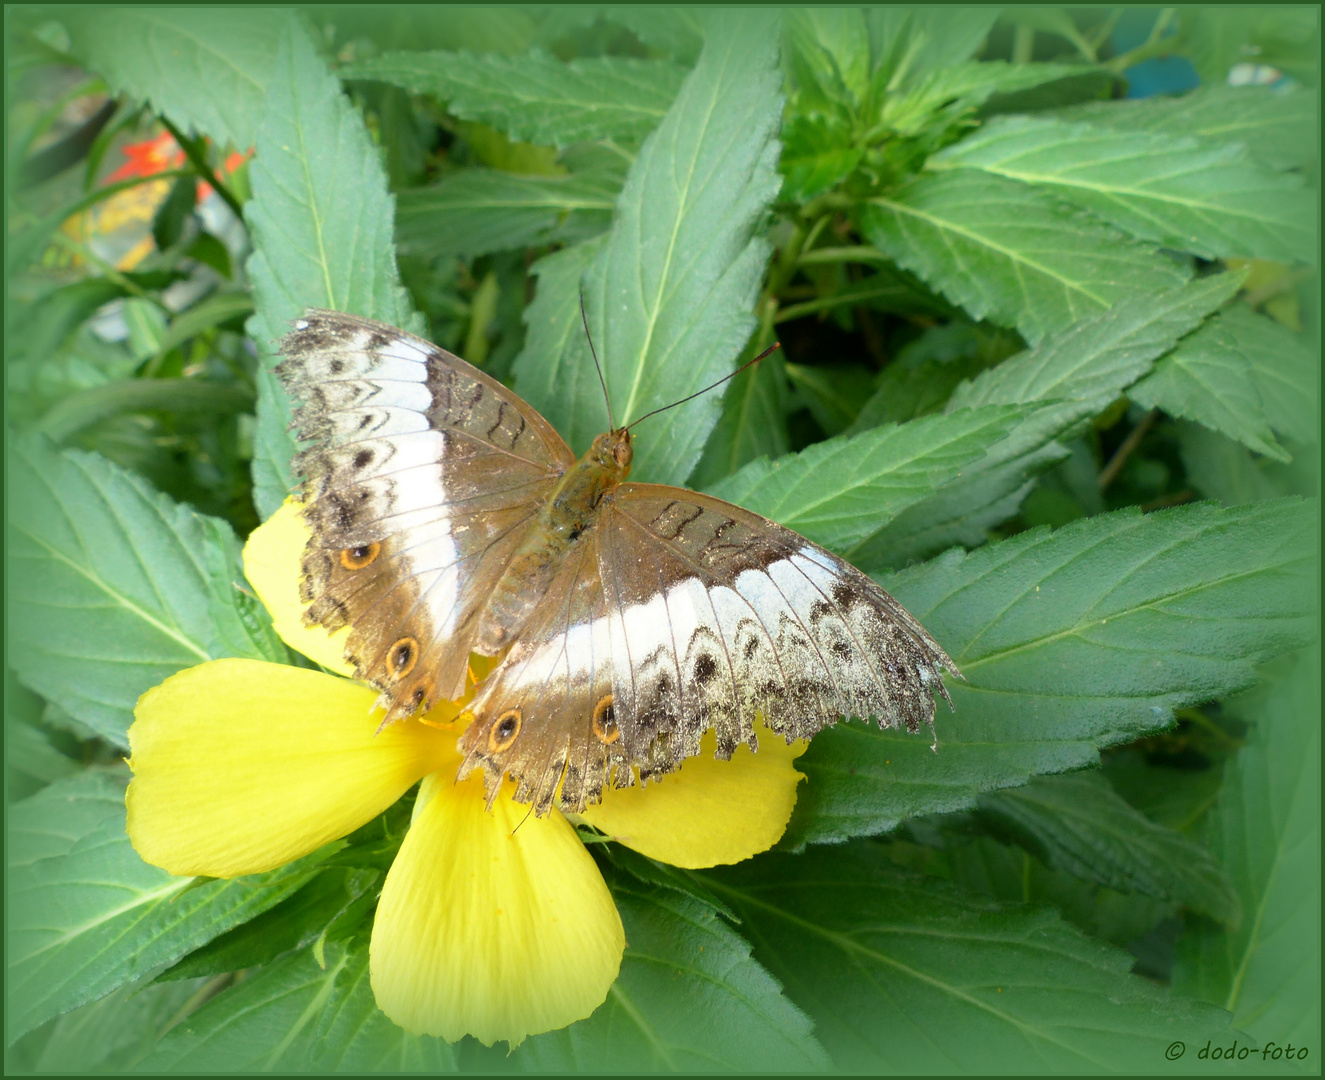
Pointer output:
x,y
422,480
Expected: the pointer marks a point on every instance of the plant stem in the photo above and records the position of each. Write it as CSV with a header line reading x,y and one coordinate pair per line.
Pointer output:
x,y
825,303
853,253
1102,32
1110,471
1156,45
123,281
192,151
865,320
1023,44
788,259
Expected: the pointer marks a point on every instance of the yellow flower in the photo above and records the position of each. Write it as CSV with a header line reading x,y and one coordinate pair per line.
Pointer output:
x,y
482,928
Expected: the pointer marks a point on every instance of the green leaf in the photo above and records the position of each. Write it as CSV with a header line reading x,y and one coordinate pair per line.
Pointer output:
x,y
671,296
1074,375
903,974
113,586
818,156
174,211
206,69
828,50
537,98
1079,824
555,372
1091,84
478,29
1211,200
1208,379
1095,359
293,923
908,43
108,1035
86,914
1220,468
1288,40
1010,252
923,375
36,833
1174,780
753,423
354,1035
1265,831
1277,125
294,1015
981,866
949,92
266,1022
1283,367
490,147
689,998
146,324
321,223
57,315
832,394
184,396
240,620
31,760
1070,641
678,32
654,873
841,491
478,211
206,248
217,310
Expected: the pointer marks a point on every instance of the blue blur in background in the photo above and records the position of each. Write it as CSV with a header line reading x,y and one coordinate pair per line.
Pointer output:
x,y
1170,75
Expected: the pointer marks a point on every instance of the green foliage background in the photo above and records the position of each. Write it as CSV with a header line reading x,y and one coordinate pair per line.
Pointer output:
x,y
1049,374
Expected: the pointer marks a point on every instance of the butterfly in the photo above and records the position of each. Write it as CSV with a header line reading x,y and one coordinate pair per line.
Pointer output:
x,y
448,517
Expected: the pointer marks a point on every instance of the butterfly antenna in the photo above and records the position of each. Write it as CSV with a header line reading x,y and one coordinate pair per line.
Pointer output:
x,y
674,404
523,819
594,353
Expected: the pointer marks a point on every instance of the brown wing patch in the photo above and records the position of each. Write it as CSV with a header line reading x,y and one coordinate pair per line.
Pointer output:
x,y
558,677
421,477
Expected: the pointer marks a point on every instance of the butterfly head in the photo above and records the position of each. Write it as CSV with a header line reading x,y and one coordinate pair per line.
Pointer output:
x,y
613,451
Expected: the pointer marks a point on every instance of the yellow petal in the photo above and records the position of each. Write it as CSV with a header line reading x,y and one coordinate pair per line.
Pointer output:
x,y
272,559
710,812
241,766
491,930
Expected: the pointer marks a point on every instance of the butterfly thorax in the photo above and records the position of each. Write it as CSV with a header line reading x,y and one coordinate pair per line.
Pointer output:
x,y
572,508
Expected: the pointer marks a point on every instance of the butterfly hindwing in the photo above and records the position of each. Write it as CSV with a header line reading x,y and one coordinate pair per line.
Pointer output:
x,y
548,710
707,616
422,479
